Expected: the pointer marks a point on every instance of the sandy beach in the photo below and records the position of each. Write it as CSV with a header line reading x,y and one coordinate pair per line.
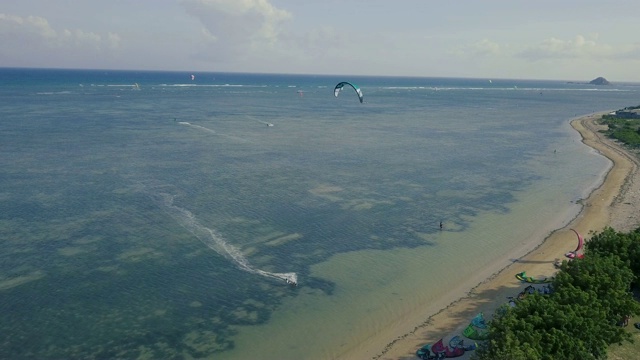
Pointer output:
x,y
615,203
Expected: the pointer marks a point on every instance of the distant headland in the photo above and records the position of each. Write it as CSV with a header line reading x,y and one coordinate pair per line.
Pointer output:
x,y
597,81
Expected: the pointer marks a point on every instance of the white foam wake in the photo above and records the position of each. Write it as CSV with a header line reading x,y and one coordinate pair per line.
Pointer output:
x,y
214,240
260,121
197,127
211,131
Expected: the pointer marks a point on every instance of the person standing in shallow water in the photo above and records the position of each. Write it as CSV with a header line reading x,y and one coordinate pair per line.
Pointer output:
x,y
441,225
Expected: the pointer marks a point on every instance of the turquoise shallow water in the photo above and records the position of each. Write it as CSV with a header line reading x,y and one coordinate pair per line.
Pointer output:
x,y
162,219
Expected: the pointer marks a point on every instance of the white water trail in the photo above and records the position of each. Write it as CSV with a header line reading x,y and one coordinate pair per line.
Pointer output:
x,y
260,121
211,131
197,127
213,240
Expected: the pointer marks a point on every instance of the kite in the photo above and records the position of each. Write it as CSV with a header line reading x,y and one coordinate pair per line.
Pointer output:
x,y
341,85
574,254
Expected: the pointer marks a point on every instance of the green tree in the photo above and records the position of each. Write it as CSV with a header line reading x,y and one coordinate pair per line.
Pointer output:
x,y
607,277
579,319
542,328
624,245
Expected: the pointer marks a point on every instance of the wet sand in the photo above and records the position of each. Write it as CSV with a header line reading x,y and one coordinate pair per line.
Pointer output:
x,y
615,203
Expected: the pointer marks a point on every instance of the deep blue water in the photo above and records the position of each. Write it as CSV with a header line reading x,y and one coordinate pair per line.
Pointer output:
x,y
145,213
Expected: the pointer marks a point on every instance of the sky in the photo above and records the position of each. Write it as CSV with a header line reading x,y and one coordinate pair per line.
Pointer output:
x,y
574,40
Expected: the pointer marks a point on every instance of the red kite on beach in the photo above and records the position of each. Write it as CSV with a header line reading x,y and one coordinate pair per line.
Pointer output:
x,y
573,254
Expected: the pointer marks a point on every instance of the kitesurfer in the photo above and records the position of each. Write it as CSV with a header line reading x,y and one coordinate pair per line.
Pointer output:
x,y
441,225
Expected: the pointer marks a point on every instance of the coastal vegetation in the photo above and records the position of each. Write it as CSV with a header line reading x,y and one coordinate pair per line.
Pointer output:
x,y
624,125
589,309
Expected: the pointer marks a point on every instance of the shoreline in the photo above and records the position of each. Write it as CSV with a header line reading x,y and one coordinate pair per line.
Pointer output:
x,y
615,202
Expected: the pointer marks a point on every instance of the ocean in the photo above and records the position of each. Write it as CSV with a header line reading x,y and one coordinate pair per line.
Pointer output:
x,y
156,215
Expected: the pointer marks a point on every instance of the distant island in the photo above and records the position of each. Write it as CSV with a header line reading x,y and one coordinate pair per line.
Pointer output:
x,y
597,81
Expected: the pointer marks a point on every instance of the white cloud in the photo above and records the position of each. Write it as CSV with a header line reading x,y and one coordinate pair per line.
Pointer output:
x,y
319,44
579,47
31,26
113,40
484,47
238,26
627,52
551,58
33,35
79,38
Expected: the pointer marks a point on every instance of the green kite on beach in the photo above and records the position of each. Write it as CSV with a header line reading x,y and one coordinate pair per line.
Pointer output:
x,y
542,280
